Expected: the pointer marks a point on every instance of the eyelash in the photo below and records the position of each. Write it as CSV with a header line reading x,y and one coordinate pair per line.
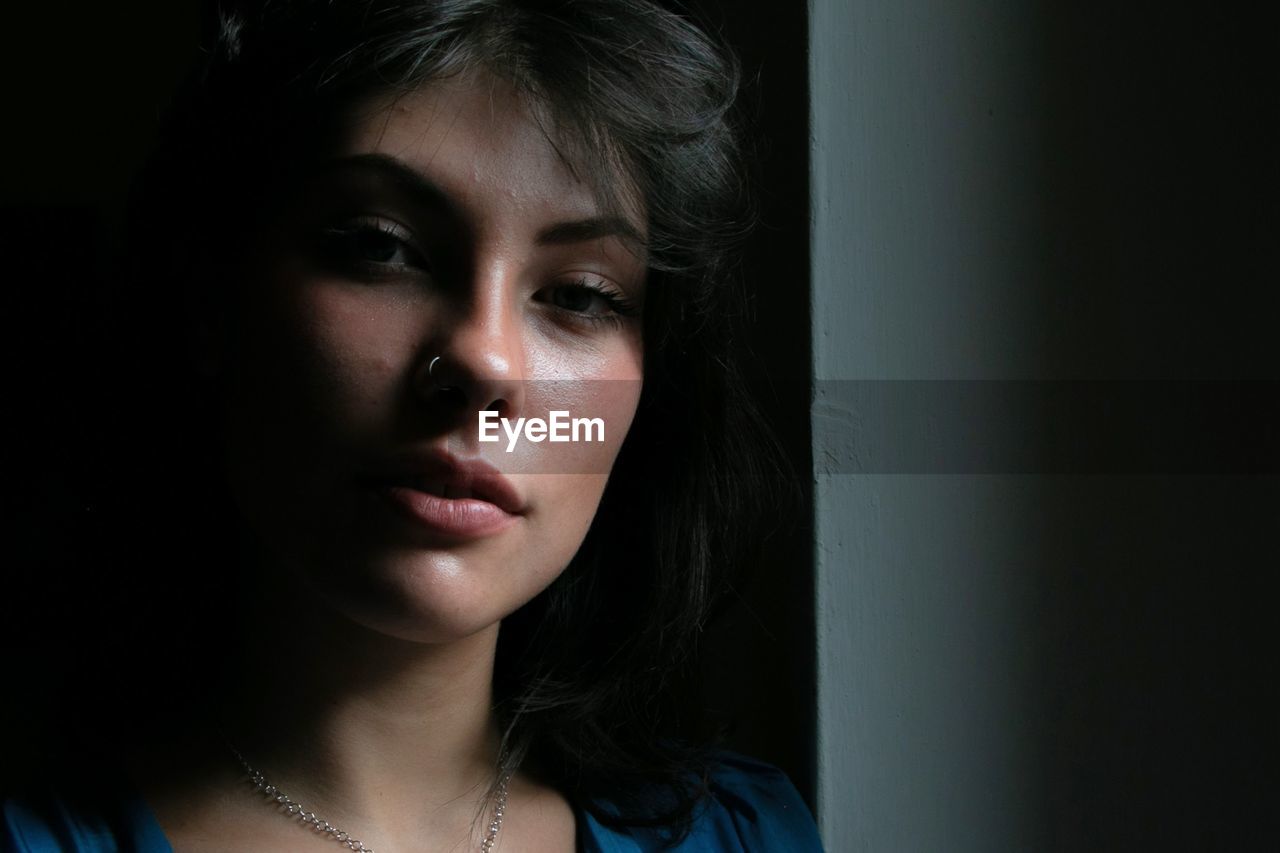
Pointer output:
x,y
340,245
620,308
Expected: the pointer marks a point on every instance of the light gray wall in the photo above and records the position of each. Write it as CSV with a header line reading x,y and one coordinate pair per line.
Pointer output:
x,y
923,229
1027,641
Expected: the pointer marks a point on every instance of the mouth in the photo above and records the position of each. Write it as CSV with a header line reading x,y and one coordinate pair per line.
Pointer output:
x,y
439,488
457,498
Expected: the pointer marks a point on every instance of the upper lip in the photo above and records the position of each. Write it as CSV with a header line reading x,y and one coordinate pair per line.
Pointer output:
x,y
470,477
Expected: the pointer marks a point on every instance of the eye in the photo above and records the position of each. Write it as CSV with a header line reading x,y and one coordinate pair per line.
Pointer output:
x,y
580,299
371,244
591,300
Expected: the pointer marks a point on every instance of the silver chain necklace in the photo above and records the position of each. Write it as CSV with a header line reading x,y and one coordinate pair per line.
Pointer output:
x,y
292,808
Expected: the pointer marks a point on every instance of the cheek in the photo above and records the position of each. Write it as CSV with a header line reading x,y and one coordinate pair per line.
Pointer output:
x,y
313,373
613,355
571,501
583,424
312,356
570,478
596,388
575,478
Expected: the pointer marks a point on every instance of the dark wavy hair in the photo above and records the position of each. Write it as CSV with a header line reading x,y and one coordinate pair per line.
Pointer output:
x,y
641,103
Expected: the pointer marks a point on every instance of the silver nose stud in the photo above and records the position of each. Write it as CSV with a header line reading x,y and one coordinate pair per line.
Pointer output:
x,y
435,379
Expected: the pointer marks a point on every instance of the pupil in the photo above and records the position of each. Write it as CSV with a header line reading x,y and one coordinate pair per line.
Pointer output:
x,y
376,246
575,298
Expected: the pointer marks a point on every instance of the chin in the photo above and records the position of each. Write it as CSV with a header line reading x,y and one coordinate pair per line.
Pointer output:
x,y
431,598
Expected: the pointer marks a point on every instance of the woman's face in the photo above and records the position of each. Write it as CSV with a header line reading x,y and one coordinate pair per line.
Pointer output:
x,y
446,225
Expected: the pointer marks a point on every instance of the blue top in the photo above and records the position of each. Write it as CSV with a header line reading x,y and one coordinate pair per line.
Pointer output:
x,y
753,809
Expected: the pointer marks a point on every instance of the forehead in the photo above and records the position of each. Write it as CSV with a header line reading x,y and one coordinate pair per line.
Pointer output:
x,y
483,144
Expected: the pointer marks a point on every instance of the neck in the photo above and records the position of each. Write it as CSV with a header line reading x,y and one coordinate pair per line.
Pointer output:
x,y
373,730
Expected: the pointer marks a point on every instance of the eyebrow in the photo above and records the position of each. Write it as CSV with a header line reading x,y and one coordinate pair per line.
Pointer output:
x,y
594,228
405,178
425,192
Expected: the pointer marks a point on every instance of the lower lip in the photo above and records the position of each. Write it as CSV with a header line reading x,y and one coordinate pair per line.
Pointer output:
x,y
462,518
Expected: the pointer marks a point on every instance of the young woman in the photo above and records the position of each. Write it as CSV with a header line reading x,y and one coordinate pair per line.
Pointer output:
x,y
380,234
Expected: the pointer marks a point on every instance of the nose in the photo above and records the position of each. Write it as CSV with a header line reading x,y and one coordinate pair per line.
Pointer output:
x,y
475,360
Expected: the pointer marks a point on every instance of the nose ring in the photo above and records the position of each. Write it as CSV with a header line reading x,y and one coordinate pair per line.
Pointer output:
x,y
435,381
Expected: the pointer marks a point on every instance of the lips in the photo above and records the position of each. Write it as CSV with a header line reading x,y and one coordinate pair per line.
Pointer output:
x,y
463,498
439,488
